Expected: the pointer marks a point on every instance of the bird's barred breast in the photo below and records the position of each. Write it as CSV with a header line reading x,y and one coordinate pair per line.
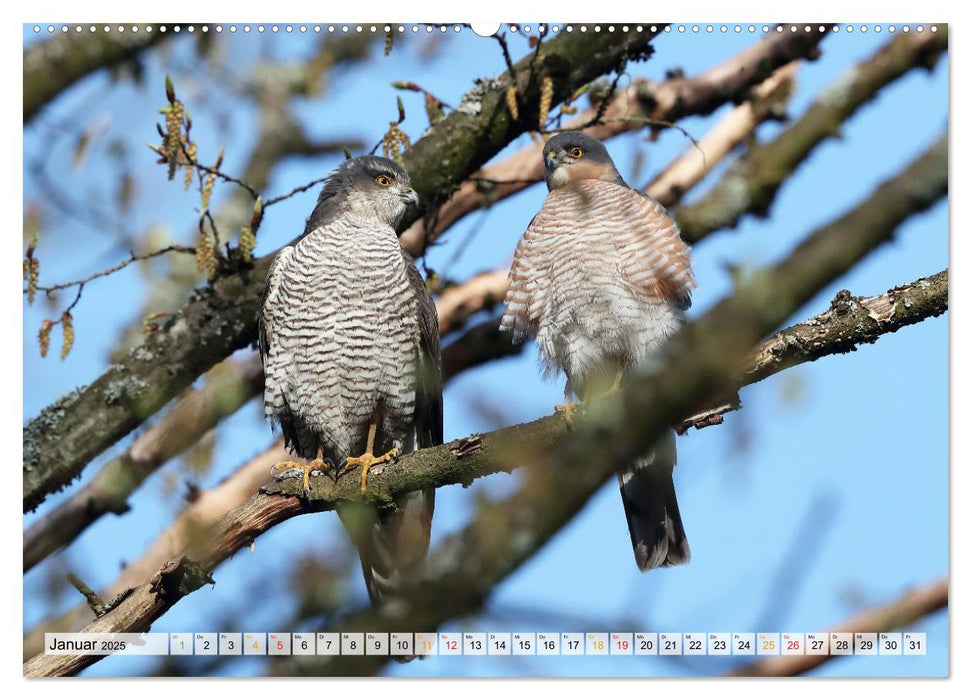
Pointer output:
x,y
349,337
600,271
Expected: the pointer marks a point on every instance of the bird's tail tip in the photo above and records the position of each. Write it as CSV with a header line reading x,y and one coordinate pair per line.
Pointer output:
x,y
653,518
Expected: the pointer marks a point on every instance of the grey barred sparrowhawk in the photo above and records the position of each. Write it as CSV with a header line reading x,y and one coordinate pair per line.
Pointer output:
x,y
602,278
349,340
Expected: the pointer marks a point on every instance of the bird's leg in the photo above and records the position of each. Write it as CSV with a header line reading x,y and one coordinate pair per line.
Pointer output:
x,y
615,387
368,460
567,408
319,464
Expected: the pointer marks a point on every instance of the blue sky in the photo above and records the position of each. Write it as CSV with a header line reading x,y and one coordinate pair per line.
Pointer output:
x,y
828,492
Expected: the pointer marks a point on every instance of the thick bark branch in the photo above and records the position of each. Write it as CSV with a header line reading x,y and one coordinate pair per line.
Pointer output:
x,y
643,103
706,359
903,612
53,65
750,185
222,318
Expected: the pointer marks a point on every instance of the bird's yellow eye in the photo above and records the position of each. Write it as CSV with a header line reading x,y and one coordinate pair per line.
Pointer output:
x,y
383,180
576,152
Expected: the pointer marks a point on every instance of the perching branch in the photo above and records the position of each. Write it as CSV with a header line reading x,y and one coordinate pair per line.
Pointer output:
x,y
911,607
750,185
222,318
706,359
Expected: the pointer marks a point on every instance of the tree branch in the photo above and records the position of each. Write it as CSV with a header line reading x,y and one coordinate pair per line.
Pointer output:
x,y
53,65
750,184
848,323
769,100
201,514
903,612
706,359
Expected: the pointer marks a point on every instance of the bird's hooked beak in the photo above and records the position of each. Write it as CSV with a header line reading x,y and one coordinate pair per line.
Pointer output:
x,y
551,161
410,197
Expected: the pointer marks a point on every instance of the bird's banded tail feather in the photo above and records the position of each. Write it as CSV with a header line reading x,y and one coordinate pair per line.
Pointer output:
x,y
651,505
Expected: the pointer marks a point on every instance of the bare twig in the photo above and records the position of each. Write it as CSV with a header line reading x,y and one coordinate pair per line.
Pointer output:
x,y
134,257
94,601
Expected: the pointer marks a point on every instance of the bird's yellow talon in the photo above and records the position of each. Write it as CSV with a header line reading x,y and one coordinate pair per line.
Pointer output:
x,y
368,460
567,409
284,465
615,387
319,464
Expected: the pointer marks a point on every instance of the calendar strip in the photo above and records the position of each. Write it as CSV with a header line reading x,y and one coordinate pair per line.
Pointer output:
x,y
489,644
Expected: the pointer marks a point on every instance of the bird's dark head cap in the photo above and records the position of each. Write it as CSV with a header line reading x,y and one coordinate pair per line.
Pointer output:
x,y
572,156
368,185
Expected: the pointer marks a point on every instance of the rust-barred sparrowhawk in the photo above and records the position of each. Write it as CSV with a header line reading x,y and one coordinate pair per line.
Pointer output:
x,y
349,340
602,278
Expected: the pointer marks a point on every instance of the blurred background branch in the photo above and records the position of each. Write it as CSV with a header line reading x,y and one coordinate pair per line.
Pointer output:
x,y
907,610
750,185
52,66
